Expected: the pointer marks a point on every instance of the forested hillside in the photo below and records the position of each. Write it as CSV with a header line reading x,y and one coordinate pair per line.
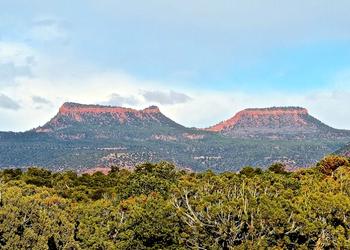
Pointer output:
x,y
157,206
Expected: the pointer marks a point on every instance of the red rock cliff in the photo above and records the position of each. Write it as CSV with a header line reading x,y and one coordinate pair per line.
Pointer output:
x,y
294,116
77,111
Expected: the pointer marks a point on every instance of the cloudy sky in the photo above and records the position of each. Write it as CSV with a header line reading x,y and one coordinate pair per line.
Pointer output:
x,y
200,61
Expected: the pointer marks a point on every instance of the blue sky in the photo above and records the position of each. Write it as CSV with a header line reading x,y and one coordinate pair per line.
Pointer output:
x,y
208,58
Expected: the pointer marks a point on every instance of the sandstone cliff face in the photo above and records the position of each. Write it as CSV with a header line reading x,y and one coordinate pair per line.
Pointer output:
x,y
74,113
84,113
75,108
78,122
276,122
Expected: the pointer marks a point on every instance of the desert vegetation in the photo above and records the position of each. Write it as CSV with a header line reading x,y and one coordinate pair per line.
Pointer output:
x,y
157,206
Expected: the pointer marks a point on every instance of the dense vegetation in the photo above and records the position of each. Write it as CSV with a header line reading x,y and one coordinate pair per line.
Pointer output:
x,y
214,151
157,206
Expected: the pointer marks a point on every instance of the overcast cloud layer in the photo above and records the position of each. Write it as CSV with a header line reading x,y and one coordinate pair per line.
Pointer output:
x,y
200,61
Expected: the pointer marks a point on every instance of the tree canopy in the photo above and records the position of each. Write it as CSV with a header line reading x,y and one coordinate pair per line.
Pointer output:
x,y
157,206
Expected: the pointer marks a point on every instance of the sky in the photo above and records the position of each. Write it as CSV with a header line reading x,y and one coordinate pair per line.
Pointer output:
x,y
200,61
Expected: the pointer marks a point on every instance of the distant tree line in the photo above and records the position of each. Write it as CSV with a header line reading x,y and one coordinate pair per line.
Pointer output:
x,y
157,206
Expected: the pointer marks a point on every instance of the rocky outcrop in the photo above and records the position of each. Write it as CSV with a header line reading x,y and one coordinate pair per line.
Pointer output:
x,y
80,121
78,111
275,122
70,113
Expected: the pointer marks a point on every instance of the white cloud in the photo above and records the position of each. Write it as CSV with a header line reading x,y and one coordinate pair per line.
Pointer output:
x,y
8,103
16,60
165,98
118,100
40,100
9,71
16,53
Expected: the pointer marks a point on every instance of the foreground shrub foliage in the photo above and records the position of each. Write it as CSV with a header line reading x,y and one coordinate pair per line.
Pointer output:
x,y
159,207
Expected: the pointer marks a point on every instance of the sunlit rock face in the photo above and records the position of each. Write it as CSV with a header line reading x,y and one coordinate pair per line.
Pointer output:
x,y
81,112
78,121
276,122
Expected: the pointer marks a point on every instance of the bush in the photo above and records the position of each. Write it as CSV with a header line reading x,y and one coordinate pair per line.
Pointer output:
x,y
250,171
278,168
331,163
